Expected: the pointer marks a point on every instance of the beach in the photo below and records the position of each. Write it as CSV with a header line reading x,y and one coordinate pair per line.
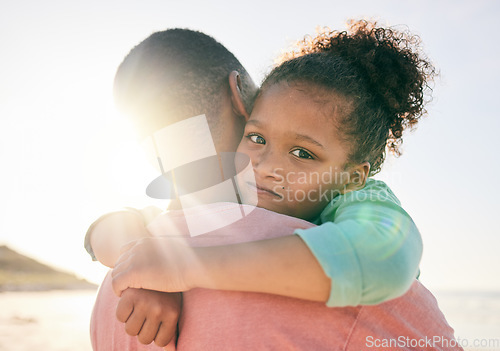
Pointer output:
x,y
51,320
59,320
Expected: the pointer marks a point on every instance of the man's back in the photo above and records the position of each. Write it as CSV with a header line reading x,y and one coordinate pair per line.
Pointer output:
x,y
226,320
229,320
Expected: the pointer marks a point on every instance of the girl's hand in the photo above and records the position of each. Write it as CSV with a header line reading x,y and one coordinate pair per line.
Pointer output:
x,y
160,263
149,315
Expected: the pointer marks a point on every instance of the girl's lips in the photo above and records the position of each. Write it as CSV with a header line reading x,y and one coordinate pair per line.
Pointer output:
x,y
264,191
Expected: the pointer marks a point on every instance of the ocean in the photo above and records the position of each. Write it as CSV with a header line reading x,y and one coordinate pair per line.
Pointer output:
x,y
49,320
59,320
475,317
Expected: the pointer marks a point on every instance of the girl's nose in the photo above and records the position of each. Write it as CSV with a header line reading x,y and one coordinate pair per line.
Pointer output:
x,y
266,165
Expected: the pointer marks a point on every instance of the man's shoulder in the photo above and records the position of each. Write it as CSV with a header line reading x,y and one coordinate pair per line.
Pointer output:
x,y
225,223
412,317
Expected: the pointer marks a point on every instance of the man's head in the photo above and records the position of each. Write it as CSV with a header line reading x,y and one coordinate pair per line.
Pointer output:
x,y
180,73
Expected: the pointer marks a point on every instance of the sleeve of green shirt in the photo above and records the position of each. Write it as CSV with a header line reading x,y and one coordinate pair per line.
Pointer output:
x,y
367,245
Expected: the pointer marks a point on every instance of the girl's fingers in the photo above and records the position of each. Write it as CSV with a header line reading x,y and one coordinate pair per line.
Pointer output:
x,y
164,335
124,309
134,324
148,331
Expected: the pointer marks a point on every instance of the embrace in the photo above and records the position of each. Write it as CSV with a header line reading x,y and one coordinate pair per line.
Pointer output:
x,y
279,239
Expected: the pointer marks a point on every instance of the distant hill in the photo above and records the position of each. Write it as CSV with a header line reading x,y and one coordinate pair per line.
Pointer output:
x,y
21,273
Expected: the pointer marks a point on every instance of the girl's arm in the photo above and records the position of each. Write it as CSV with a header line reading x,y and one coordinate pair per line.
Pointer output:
x,y
367,254
283,266
368,245
110,232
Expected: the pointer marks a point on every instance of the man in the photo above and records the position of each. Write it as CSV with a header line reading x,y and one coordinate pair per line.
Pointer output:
x,y
177,74
170,76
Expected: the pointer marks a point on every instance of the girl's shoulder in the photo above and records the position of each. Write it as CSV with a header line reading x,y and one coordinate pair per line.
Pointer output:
x,y
375,188
375,192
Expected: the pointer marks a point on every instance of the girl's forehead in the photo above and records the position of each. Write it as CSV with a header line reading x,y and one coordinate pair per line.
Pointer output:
x,y
300,99
291,113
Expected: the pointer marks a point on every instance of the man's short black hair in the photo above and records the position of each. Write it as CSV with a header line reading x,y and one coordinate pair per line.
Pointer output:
x,y
176,74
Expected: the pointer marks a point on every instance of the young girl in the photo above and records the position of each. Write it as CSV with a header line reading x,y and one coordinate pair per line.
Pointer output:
x,y
318,132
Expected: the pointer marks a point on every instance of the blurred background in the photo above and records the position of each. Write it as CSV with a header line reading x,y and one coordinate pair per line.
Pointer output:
x,y
67,157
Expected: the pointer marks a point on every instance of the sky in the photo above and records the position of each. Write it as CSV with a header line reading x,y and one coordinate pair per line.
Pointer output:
x,y
66,156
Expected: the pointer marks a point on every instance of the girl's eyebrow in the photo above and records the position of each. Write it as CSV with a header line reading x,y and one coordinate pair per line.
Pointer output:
x,y
254,122
306,138
296,136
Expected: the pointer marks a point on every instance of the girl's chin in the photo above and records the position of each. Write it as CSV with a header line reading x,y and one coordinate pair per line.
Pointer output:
x,y
275,206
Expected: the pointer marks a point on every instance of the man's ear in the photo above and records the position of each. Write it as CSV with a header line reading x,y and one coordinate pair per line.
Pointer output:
x,y
357,177
236,96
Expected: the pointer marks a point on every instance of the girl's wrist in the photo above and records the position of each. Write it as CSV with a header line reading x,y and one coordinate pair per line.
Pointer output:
x,y
200,269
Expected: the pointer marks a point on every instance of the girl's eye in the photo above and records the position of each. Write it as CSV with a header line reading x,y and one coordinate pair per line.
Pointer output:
x,y
257,139
301,153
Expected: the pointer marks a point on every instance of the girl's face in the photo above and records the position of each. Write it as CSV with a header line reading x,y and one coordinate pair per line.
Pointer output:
x,y
296,152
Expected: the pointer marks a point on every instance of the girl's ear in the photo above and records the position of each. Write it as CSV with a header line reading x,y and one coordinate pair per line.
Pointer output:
x,y
357,177
236,96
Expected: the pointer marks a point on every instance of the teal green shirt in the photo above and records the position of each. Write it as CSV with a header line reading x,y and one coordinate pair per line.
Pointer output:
x,y
367,245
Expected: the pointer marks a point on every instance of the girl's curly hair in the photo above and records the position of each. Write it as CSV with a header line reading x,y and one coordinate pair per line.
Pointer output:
x,y
382,74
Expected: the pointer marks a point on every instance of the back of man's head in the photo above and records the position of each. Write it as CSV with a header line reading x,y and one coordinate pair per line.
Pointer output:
x,y
176,74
